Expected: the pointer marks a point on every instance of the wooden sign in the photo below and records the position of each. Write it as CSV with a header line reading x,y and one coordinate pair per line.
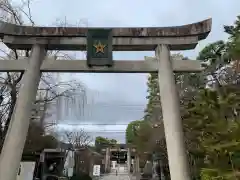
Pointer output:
x,y
99,47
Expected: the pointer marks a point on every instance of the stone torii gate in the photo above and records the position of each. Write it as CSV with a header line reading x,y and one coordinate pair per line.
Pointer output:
x,y
40,39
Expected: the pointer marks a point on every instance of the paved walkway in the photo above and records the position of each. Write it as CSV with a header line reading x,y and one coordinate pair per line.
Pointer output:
x,y
122,175
114,177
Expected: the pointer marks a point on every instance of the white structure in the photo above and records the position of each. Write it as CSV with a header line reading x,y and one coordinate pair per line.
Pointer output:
x,y
69,163
26,170
114,165
96,170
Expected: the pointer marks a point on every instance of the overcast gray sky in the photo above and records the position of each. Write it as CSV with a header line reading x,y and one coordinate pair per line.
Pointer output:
x,y
120,98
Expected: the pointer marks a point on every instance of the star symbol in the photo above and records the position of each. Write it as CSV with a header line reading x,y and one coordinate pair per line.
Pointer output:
x,y
99,47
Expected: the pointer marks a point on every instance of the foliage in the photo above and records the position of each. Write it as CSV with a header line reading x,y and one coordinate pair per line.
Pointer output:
x,y
210,106
139,136
213,136
211,120
234,39
143,135
131,131
213,52
37,141
153,111
102,142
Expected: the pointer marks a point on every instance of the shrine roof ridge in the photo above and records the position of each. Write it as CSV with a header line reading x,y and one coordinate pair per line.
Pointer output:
x,y
200,29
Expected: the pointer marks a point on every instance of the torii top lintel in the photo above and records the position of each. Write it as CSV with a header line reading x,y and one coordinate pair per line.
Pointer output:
x,y
199,30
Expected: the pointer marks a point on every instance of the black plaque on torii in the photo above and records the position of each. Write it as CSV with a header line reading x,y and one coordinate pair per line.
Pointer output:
x,y
99,47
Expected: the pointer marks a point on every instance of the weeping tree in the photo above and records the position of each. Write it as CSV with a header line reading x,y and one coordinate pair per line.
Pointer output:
x,y
11,81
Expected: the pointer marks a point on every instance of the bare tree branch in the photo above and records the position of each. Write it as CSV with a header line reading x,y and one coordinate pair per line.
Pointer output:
x,y
78,139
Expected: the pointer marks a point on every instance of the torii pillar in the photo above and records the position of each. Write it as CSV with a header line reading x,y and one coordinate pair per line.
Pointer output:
x,y
107,160
129,159
16,135
177,158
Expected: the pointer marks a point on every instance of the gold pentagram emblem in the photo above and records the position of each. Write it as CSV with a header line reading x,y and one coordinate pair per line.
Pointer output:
x,y
99,47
